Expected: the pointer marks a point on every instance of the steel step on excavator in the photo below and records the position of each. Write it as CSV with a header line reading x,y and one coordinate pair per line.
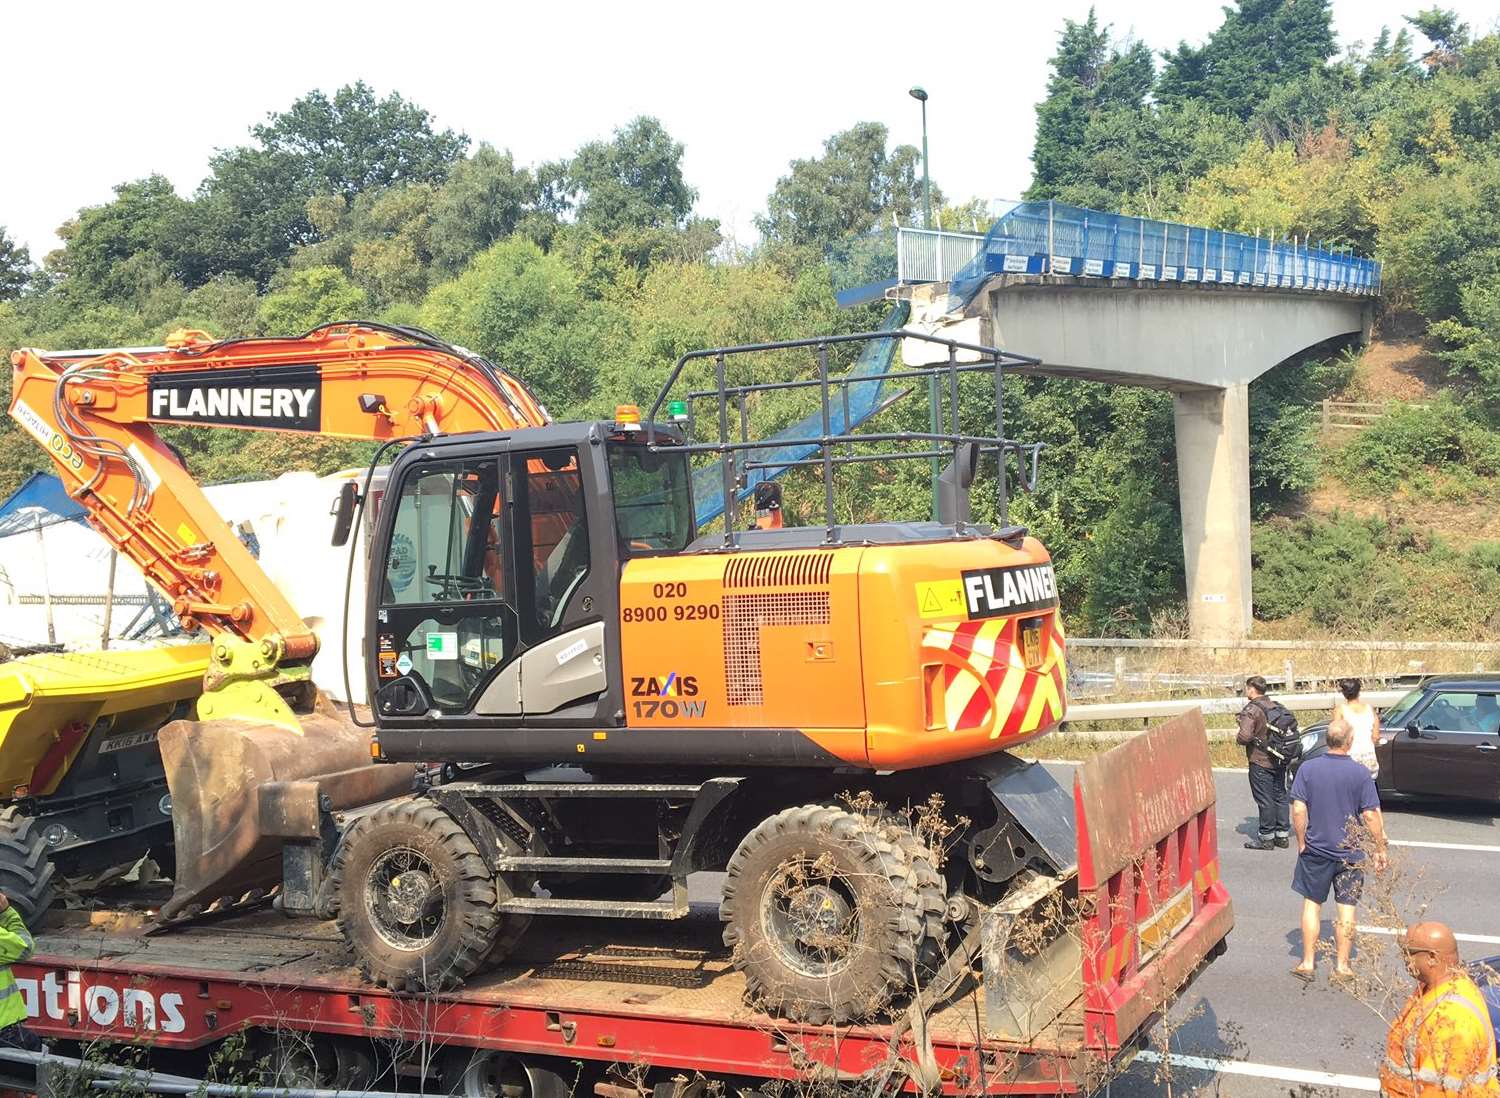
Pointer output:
x,y
615,698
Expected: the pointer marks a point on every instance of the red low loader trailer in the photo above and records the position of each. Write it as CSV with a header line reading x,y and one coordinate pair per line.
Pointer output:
x,y
621,1008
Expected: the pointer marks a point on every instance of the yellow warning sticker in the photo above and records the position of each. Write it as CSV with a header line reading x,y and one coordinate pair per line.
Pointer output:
x,y
941,599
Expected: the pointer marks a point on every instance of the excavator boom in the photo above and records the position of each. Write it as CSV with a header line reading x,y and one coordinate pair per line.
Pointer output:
x,y
95,414
262,734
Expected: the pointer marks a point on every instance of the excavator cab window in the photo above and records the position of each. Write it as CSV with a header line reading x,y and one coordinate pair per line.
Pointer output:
x,y
448,602
653,499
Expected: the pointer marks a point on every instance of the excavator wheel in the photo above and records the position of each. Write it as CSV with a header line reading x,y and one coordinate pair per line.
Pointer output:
x,y
416,900
825,915
932,891
26,868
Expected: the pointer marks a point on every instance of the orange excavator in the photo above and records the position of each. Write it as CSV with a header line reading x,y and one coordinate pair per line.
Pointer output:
x,y
618,700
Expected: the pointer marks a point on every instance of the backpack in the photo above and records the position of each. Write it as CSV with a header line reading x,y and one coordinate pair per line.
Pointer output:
x,y
1283,742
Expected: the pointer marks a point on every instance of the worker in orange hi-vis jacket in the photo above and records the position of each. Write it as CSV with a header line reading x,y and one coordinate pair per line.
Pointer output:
x,y
1441,1045
15,945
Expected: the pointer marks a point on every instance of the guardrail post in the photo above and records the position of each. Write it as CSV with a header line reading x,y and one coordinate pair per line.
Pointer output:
x,y
1049,236
1119,672
1289,676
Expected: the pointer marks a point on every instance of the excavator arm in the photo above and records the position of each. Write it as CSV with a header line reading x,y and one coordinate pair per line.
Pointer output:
x,y
96,413
254,777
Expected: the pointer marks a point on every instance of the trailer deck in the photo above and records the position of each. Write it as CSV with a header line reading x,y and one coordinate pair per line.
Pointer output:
x,y
615,991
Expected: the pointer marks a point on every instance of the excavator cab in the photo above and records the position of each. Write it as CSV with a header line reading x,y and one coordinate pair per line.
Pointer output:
x,y
494,579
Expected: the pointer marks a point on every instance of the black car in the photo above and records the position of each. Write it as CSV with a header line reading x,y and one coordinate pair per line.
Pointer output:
x,y
1442,739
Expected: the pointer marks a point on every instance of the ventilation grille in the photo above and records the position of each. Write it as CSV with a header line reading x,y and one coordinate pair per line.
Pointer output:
x,y
743,617
779,570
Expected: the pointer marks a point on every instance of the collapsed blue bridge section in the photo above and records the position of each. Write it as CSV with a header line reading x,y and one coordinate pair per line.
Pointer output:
x,y
1055,238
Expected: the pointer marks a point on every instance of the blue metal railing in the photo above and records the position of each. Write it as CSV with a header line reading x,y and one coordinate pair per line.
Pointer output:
x,y
1055,238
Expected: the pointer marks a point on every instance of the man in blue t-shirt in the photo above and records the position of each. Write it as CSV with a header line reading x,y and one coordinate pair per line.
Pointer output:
x,y
1330,793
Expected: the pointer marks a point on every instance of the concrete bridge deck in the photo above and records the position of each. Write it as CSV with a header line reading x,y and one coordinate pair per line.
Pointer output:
x,y
1202,341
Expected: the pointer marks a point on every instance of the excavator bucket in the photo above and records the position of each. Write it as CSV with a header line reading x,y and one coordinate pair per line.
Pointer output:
x,y
241,792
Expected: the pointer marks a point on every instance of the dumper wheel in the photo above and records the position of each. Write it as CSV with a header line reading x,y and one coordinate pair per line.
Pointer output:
x,y
26,868
417,902
824,915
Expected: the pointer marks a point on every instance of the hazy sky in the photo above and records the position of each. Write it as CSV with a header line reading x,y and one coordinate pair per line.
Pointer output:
x,y
96,94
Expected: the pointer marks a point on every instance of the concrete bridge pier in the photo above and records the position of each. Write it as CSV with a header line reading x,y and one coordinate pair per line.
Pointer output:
x,y
1213,491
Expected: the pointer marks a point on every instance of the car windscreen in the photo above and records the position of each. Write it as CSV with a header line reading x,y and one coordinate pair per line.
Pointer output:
x,y
1395,716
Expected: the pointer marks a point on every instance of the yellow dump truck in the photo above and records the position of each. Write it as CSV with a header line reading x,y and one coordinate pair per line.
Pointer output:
x,y
81,778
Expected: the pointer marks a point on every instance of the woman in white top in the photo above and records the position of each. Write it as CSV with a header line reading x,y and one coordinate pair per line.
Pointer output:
x,y
1363,719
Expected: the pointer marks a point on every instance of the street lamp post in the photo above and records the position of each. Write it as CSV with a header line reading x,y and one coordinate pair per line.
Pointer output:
x,y
919,93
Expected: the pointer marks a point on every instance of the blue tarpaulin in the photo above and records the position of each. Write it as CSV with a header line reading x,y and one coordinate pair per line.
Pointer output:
x,y
41,501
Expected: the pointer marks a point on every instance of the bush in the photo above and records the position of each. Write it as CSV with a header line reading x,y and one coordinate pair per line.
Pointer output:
x,y
1283,425
1440,438
1369,577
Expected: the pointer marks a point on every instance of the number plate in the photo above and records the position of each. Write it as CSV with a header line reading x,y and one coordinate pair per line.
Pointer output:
x,y
1031,644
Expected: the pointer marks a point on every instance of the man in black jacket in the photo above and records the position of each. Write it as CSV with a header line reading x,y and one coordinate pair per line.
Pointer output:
x,y
1267,776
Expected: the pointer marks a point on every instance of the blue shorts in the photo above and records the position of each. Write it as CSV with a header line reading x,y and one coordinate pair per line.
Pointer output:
x,y
1317,873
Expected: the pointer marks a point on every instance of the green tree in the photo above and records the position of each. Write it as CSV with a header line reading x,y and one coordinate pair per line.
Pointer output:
x,y
632,181
524,310
1439,235
1473,337
252,211
483,200
249,214
1445,31
855,186
146,222
392,255
307,298
15,267
224,307
1093,106
1260,44
354,142
630,189
1133,556
1321,191
1138,161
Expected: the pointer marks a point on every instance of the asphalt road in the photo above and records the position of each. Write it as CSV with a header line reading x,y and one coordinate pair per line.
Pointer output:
x,y
1266,1033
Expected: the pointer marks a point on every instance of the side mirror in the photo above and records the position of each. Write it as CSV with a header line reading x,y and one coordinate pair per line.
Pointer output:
x,y
343,511
1413,731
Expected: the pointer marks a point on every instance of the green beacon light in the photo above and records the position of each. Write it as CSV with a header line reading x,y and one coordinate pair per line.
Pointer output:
x,y
677,409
